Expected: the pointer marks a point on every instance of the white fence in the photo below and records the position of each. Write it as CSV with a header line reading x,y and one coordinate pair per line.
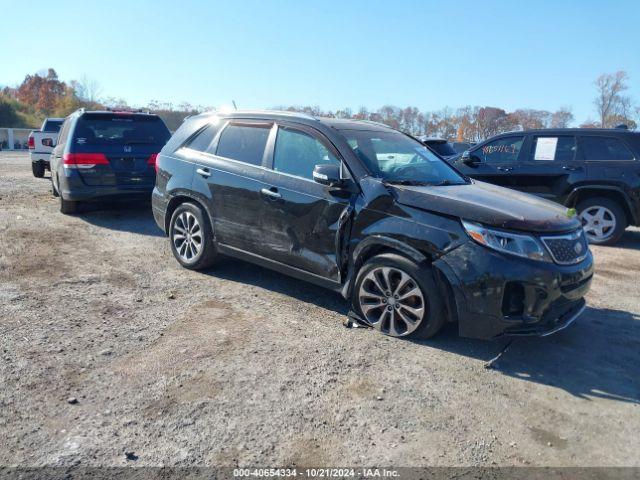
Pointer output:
x,y
14,138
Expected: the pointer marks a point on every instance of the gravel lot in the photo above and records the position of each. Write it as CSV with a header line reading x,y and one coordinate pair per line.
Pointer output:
x,y
114,355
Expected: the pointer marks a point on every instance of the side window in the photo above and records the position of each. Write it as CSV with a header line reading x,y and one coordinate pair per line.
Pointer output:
x,y
297,153
604,148
560,149
203,139
243,143
64,131
503,150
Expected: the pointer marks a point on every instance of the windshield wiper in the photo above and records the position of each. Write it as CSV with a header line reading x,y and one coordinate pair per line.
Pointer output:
x,y
415,183
445,183
422,183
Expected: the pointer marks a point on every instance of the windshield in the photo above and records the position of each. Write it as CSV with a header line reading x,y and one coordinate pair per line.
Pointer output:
x,y
443,149
52,125
396,158
118,129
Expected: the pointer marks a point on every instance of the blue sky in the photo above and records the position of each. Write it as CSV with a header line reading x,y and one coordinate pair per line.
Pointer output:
x,y
541,54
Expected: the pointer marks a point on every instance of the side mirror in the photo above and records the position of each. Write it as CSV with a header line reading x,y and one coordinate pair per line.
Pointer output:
x,y
328,175
470,159
48,142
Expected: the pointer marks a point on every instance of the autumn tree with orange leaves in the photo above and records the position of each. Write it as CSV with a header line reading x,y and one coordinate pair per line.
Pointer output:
x,y
43,92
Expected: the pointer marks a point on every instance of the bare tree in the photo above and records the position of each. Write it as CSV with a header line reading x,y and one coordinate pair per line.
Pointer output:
x,y
528,118
610,102
562,118
87,89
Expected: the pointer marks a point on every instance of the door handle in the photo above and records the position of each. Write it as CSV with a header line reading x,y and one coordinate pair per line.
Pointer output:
x,y
505,169
271,193
204,172
571,169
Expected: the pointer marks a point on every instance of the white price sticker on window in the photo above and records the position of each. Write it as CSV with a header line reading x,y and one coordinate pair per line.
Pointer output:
x,y
546,148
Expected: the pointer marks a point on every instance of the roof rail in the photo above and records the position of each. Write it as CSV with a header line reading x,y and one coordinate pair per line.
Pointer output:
x,y
283,113
380,124
127,109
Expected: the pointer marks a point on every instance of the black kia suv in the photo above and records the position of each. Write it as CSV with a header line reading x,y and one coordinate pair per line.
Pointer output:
x,y
106,155
372,213
596,171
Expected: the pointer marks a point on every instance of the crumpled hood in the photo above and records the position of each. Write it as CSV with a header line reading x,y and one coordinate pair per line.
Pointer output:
x,y
489,204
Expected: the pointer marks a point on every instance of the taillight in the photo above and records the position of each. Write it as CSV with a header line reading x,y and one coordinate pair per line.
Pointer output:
x,y
84,160
153,160
31,143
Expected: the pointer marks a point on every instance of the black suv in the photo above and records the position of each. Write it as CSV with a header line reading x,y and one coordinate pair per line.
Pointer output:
x,y
596,171
372,213
106,155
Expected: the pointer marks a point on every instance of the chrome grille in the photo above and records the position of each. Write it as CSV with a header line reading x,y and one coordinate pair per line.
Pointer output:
x,y
567,249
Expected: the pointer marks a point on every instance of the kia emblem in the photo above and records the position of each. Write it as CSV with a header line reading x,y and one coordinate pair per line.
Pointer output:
x,y
127,149
578,248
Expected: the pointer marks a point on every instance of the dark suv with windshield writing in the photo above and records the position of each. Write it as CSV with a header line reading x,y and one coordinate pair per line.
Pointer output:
x,y
106,155
372,213
596,171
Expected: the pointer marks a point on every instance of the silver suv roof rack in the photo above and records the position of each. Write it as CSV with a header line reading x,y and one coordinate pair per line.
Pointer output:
x,y
283,113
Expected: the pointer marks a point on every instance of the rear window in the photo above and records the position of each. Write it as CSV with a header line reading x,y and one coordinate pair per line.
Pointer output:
x,y
118,129
604,148
202,140
243,143
52,126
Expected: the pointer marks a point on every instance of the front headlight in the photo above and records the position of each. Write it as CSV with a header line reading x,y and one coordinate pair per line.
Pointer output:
x,y
507,242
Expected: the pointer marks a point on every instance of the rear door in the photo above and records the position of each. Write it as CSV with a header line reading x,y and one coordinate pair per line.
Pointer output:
x,y
129,142
549,166
229,174
302,219
498,160
609,159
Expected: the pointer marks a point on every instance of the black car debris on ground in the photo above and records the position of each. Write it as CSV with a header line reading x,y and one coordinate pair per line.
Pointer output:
x,y
596,171
106,155
367,211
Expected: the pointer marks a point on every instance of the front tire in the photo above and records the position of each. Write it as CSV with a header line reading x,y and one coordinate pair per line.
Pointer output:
x,y
37,169
191,237
398,297
603,220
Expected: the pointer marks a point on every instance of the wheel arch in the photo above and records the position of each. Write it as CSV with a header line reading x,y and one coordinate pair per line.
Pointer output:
x,y
178,200
376,245
610,192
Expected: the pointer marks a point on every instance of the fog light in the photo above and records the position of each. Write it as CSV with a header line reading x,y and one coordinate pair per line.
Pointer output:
x,y
513,300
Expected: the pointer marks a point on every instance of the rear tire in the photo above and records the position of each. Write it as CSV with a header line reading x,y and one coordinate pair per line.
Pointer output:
x,y
603,220
37,169
191,237
398,297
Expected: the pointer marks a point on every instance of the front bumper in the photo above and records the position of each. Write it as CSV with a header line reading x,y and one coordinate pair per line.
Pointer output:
x,y
498,295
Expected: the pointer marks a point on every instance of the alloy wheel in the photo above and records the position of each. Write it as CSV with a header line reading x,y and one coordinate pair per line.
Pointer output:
x,y
392,301
599,223
187,236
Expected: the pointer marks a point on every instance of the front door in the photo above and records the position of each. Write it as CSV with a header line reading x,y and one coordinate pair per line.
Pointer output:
x,y
302,219
496,161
